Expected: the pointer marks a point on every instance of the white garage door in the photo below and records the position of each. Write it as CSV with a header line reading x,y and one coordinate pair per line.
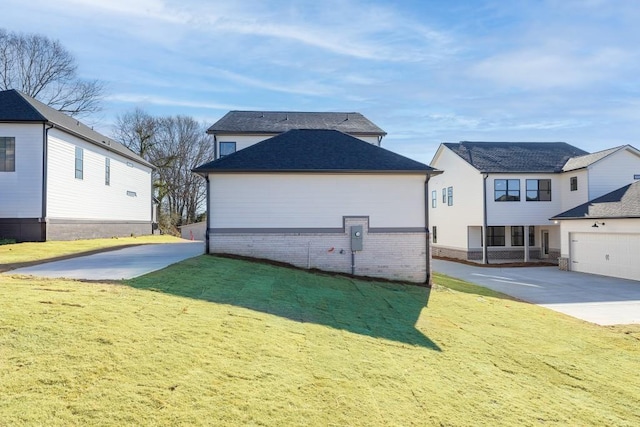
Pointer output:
x,y
615,255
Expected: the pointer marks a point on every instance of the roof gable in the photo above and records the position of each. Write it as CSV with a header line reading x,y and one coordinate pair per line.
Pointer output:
x,y
588,159
282,121
510,157
16,106
315,151
621,203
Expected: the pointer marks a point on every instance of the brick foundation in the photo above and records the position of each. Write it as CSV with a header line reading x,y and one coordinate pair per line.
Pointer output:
x,y
386,254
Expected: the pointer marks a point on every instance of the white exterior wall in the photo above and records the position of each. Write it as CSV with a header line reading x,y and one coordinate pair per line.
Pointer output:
x,y
523,212
452,221
571,199
315,200
21,191
612,172
89,198
247,140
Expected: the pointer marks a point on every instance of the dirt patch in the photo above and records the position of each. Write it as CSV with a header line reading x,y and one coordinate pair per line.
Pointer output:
x,y
499,264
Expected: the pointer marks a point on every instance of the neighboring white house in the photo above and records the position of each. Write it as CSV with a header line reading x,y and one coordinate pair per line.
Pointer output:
x,y
241,129
508,191
602,236
321,199
61,180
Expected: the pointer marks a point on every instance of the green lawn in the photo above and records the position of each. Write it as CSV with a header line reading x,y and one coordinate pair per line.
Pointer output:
x,y
214,341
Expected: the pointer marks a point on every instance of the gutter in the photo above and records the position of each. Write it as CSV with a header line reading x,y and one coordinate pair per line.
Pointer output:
x,y
428,234
206,233
45,166
485,257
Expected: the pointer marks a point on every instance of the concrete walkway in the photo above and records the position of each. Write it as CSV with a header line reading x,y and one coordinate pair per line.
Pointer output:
x,y
597,299
116,265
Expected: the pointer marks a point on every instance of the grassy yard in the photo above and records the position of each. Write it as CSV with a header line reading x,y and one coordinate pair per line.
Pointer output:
x,y
215,341
22,254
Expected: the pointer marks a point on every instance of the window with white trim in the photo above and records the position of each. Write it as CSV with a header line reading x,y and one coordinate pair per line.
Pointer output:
x,y
7,154
450,196
107,171
79,163
434,198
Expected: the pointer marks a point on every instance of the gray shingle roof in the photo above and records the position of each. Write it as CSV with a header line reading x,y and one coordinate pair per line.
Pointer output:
x,y
17,107
282,121
588,159
621,203
515,156
315,151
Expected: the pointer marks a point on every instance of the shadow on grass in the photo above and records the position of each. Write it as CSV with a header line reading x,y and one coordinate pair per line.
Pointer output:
x,y
375,309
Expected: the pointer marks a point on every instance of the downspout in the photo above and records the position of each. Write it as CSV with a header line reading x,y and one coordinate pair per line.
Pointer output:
x,y
485,258
206,233
427,229
45,156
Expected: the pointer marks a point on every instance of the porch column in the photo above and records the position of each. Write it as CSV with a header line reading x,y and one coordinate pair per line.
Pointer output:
x,y
526,243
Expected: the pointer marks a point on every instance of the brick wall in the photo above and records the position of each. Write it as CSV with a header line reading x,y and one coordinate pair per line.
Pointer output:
x,y
390,255
72,230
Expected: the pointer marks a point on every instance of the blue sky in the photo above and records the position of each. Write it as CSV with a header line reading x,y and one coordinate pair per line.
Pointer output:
x,y
425,71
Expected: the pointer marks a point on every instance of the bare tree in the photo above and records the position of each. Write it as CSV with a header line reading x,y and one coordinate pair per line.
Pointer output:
x,y
136,130
175,145
44,69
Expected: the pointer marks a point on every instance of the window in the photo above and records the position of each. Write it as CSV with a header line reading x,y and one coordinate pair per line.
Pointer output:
x,y
538,190
79,163
574,183
132,194
495,236
7,154
434,198
434,234
444,195
517,235
506,190
107,171
450,196
227,148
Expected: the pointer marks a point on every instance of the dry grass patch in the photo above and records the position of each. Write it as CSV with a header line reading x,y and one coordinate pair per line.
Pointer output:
x,y
214,341
22,254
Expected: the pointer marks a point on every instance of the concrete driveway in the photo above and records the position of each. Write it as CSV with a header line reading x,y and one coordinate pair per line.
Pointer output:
x,y
597,299
118,264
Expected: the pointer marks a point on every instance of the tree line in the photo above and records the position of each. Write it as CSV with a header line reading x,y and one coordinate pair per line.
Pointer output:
x,y
43,69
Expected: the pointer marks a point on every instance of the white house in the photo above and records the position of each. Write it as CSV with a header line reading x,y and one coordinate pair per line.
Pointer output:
x,y
321,199
509,191
61,180
241,129
602,236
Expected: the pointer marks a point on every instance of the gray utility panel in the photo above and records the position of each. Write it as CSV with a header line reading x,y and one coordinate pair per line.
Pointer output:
x,y
356,238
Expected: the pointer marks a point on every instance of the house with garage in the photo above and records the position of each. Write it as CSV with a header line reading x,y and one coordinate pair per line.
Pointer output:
x,y
602,236
241,129
321,199
61,180
494,200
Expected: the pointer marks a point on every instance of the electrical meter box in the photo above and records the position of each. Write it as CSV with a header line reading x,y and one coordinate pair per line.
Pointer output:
x,y
356,238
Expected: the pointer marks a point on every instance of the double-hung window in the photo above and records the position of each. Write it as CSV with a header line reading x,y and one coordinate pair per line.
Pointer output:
x,y
434,198
444,195
573,182
450,196
434,234
506,190
7,154
538,190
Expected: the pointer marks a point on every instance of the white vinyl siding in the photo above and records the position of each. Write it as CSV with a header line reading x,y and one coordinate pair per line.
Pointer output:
x,y
612,172
90,198
21,189
466,183
315,200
